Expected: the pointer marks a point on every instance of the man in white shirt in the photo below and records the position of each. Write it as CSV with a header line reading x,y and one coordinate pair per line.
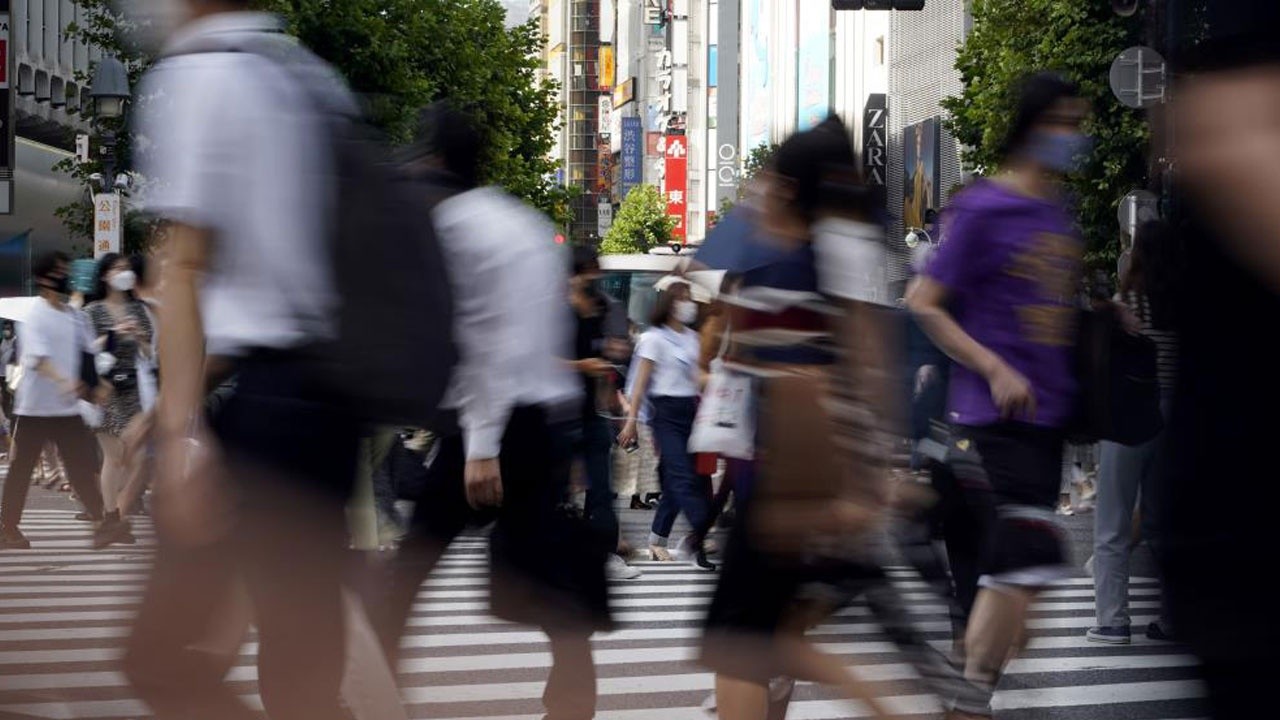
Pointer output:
x,y
240,156
52,340
513,395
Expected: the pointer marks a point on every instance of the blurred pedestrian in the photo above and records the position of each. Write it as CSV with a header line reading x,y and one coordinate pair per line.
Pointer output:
x,y
1220,518
54,342
668,377
594,444
506,460
1128,474
999,297
253,490
122,326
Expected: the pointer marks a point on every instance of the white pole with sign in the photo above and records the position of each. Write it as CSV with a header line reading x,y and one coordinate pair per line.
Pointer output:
x,y
106,224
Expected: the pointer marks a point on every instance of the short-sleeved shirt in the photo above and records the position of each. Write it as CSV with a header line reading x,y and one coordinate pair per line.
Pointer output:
x,y
61,336
236,146
1011,264
675,361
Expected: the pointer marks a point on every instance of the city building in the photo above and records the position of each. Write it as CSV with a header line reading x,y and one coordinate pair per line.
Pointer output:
x,y
43,92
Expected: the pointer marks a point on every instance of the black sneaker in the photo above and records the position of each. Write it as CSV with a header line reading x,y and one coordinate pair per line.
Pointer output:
x,y
112,532
13,539
1156,632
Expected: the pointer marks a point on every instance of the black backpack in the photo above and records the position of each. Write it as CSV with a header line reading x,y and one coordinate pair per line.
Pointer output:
x,y
1119,396
394,352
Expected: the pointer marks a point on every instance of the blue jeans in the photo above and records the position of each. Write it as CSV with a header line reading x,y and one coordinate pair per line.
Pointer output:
x,y
683,490
1125,473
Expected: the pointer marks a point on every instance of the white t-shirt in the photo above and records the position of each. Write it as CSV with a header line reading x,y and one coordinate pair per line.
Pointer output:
x,y
675,361
62,336
235,146
852,261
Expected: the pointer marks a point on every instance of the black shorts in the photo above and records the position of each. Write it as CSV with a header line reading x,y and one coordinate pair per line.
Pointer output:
x,y
1022,463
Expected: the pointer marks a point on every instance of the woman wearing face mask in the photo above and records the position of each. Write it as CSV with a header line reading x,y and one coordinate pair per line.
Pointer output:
x,y
668,374
123,327
999,297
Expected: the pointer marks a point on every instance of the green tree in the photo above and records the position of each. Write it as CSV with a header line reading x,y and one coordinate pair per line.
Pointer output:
x,y
397,55
1079,39
641,224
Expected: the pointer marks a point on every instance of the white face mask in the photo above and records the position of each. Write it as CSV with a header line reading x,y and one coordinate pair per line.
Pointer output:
x,y
149,23
124,281
686,311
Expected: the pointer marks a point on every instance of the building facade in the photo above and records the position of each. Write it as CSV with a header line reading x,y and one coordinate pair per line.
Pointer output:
x,y
48,103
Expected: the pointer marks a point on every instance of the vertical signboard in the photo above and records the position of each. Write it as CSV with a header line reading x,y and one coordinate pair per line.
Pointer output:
x,y
654,10
106,224
608,22
757,90
608,67
875,122
676,186
920,186
6,113
604,217
604,109
727,102
814,61
632,154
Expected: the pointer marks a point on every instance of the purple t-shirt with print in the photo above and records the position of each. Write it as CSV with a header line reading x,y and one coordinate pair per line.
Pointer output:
x,y
1011,264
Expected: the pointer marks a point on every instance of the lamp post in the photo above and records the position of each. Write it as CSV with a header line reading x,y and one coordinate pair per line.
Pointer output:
x,y
110,94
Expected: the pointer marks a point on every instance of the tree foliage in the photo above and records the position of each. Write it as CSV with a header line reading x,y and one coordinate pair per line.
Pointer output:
x,y
398,56
641,224
1079,39
755,161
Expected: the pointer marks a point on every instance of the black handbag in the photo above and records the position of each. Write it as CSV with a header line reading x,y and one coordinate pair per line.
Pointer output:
x,y
1119,393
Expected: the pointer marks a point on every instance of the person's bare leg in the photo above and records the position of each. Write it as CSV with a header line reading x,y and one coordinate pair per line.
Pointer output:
x,y
741,699
805,662
570,693
113,478
997,623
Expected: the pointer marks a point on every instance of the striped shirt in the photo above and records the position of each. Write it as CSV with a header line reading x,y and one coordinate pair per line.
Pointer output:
x,y
1166,340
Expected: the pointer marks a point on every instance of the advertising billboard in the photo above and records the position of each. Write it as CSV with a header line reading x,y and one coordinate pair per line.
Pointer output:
x,y
814,61
920,189
676,185
632,154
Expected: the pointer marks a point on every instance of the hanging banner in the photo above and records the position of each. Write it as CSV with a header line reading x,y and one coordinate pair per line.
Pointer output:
x,y
654,10
676,185
632,154
608,23
604,217
106,224
608,67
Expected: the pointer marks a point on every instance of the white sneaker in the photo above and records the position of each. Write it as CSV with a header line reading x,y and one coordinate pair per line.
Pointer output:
x,y
615,568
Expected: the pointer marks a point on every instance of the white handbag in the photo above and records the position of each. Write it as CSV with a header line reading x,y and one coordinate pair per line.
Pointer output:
x,y
725,424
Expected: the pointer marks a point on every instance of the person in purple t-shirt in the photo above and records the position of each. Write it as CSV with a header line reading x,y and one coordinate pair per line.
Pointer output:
x,y
999,296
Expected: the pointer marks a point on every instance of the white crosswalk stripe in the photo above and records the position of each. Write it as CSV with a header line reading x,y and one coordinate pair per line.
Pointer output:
x,y
65,610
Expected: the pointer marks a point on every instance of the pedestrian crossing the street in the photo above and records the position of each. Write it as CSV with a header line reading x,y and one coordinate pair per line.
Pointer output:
x,y
65,613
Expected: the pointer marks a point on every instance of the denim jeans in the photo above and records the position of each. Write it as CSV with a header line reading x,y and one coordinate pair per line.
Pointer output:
x,y
683,490
1125,473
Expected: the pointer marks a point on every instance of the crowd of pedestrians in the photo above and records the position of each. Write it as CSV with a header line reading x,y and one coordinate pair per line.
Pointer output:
x,y
246,389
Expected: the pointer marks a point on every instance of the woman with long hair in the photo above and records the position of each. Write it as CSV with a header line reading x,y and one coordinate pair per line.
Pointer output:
x,y
667,374
1127,474
123,328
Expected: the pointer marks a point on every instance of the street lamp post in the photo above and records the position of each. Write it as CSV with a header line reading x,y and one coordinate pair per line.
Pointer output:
x,y
110,94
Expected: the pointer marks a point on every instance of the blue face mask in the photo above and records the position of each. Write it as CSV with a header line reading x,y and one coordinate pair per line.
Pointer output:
x,y
1063,153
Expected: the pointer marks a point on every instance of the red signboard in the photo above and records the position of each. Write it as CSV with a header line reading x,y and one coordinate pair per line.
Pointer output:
x,y
652,141
676,185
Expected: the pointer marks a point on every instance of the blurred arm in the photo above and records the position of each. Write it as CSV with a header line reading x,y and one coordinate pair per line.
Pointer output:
x,y
182,343
927,301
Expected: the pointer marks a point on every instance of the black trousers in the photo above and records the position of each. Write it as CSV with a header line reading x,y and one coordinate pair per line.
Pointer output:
x,y
75,445
547,567
290,457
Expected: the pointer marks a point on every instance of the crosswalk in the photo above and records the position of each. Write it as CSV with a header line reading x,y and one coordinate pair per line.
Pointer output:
x,y
65,612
